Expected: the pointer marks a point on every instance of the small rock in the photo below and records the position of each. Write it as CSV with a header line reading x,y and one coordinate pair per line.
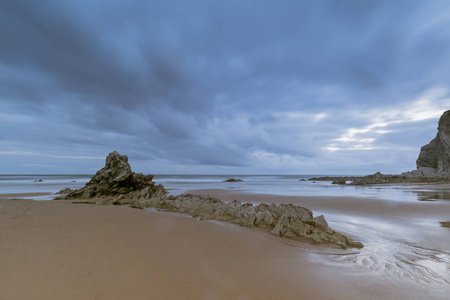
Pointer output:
x,y
232,180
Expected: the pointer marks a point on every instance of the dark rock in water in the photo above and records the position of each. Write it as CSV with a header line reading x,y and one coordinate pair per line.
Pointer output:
x,y
376,178
339,181
436,154
116,179
302,179
232,180
38,180
333,178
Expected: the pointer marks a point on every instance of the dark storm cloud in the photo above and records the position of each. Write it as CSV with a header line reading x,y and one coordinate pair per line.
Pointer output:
x,y
231,83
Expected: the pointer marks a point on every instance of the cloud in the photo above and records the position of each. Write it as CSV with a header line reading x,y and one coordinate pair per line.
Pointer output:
x,y
221,86
379,122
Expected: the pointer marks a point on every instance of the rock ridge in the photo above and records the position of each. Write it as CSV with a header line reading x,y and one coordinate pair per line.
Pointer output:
x,y
284,220
117,184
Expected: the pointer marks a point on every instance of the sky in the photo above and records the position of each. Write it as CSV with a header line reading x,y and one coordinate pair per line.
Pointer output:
x,y
221,87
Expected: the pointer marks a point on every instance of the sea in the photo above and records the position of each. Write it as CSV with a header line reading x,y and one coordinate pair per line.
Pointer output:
x,y
288,185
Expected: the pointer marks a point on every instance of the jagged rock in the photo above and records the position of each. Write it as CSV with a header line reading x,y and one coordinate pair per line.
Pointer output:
x,y
115,179
319,222
284,220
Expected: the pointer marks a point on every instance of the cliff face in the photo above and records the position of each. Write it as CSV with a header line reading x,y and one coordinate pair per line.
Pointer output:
x,y
435,156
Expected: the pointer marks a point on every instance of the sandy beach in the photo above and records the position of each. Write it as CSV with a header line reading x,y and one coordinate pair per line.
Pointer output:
x,y
61,250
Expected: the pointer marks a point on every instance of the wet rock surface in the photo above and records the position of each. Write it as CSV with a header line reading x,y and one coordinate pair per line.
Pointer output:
x,y
117,184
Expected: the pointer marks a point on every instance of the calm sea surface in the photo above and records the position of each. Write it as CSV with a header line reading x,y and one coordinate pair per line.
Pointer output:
x,y
262,184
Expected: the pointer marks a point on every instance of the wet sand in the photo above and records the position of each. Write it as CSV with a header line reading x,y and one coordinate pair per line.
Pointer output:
x,y
22,195
60,250
404,241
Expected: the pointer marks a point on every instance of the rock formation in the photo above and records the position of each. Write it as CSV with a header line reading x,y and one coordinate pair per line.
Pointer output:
x,y
284,220
116,179
335,179
435,156
117,184
339,181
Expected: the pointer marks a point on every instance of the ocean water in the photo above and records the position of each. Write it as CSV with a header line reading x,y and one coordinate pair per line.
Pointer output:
x,y
12,184
289,185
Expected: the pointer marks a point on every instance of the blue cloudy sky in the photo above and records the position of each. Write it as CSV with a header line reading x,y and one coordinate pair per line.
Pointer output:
x,y
221,87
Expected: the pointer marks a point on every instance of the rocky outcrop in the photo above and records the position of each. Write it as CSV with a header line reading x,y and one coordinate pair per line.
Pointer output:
x,y
116,179
435,156
334,179
117,184
339,181
284,220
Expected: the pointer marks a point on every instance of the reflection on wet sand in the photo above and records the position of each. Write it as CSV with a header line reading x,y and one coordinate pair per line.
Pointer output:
x,y
433,195
394,249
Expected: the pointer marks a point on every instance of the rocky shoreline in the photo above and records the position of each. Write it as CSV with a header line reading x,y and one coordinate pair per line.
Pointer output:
x,y
117,184
379,178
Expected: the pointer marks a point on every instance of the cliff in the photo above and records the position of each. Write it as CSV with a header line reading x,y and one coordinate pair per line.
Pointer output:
x,y
435,156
